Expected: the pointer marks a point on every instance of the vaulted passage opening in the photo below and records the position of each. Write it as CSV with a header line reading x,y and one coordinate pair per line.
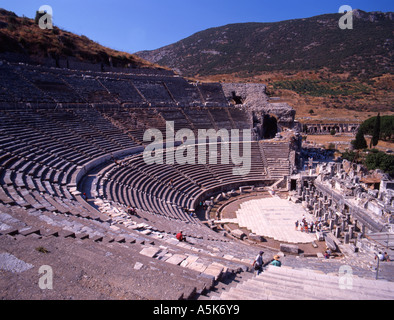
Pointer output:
x,y
270,126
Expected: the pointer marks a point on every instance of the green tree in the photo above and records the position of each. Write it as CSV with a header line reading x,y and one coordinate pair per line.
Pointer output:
x,y
386,127
359,142
379,160
376,132
350,156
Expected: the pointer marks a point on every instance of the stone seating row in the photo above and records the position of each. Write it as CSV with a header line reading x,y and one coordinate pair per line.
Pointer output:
x,y
275,156
165,189
200,240
93,246
26,84
169,255
130,187
287,283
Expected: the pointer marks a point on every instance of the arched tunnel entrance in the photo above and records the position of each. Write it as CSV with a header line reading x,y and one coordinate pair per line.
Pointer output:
x,y
270,126
265,125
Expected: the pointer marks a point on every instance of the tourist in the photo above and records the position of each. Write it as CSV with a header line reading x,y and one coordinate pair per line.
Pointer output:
x,y
386,257
84,196
180,236
311,226
327,253
131,211
276,261
296,225
258,263
380,256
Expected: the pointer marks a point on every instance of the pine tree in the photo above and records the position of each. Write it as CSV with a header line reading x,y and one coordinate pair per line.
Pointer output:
x,y
360,142
376,132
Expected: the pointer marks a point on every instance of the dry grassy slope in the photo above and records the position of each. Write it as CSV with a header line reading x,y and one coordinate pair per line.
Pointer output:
x,y
310,63
23,36
354,107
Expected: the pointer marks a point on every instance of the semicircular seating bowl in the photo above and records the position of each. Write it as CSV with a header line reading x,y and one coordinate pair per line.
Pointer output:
x,y
58,125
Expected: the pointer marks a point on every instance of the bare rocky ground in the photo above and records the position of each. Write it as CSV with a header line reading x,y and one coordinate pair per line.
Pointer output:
x,y
83,270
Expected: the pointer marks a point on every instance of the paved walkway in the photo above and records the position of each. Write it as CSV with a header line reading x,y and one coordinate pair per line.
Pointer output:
x,y
274,218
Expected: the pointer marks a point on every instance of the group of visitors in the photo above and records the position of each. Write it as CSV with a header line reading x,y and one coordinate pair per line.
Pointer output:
x,y
258,262
305,226
382,256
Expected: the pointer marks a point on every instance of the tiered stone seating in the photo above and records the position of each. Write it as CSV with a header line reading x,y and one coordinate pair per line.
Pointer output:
x,y
240,117
148,188
89,88
286,283
134,121
221,118
224,172
80,237
123,90
100,128
276,157
52,85
178,117
184,93
212,94
200,118
154,91
165,189
56,144
16,88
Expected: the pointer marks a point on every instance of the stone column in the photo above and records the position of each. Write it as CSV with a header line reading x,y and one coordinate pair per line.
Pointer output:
x,y
363,229
338,232
299,188
335,218
351,229
343,224
331,224
346,237
315,209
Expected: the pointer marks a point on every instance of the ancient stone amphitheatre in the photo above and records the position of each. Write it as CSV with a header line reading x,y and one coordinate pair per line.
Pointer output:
x,y
71,163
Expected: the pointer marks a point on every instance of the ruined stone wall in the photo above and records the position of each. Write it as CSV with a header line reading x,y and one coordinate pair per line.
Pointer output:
x,y
255,99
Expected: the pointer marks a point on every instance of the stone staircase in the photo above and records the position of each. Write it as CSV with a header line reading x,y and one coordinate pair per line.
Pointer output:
x,y
286,283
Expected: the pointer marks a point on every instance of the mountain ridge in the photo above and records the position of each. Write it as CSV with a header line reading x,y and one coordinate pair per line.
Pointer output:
x,y
290,45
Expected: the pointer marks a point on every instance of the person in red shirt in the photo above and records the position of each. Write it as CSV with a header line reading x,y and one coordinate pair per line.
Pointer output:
x,y
180,236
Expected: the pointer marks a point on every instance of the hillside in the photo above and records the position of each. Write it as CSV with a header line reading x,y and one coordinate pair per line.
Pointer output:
x,y
302,44
21,37
310,63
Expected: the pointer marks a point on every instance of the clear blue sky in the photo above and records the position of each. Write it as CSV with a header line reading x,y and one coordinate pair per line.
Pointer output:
x,y
134,25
